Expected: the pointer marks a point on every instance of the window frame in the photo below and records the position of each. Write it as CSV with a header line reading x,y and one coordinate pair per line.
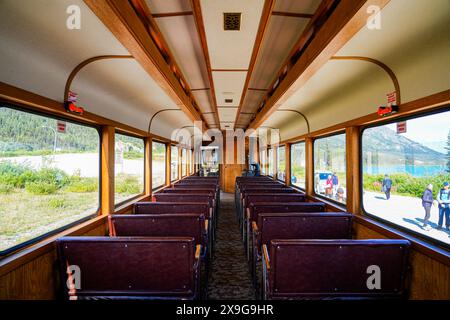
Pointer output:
x,y
278,159
97,211
290,164
121,203
165,165
327,135
185,163
378,219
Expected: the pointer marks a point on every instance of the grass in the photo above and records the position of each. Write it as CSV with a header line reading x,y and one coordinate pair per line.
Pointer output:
x,y
24,216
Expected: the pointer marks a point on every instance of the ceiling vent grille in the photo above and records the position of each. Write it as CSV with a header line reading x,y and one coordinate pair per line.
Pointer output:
x,y
232,21
228,100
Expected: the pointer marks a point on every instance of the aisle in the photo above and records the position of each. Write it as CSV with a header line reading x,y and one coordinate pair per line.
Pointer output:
x,y
230,276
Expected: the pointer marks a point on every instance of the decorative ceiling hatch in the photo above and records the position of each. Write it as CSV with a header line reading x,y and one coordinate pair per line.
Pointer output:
x,y
232,21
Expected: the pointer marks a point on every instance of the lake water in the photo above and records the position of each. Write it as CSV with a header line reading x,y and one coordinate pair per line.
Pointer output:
x,y
416,171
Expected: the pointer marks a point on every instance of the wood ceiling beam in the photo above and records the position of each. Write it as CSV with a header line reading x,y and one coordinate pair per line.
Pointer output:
x,y
292,14
124,23
197,11
262,28
345,22
172,14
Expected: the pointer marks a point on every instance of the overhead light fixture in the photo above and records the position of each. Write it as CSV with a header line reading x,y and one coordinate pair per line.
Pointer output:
x,y
231,21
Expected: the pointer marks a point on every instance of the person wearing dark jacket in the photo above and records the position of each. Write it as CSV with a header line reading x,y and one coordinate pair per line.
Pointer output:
x,y
387,185
427,202
443,200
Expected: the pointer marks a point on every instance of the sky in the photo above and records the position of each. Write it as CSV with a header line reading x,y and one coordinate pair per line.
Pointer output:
x,y
431,131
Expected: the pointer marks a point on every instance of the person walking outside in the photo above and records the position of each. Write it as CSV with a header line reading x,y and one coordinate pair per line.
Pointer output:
x,y
335,183
387,185
443,199
329,186
427,202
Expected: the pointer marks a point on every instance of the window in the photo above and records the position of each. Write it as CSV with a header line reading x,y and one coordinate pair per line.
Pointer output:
x,y
298,166
281,163
129,167
173,163
270,163
329,167
263,158
49,176
399,166
183,162
158,165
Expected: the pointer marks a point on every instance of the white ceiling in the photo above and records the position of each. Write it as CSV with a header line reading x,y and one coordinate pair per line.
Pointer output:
x,y
38,53
230,50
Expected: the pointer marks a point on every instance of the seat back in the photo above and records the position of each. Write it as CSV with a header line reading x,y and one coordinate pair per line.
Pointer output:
x,y
159,225
257,208
183,197
274,197
133,268
337,268
310,225
172,207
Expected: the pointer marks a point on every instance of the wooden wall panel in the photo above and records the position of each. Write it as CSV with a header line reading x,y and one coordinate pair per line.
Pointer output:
x,y
37,279
429,278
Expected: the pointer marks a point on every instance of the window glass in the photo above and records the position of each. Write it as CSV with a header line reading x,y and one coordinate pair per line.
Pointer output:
x,y
183,162
129,167
173,163
49,175
270,163
330,167
405,168
281,163
263,158
298,167
158,164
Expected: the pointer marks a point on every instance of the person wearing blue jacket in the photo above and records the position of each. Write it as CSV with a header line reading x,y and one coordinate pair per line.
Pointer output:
x,y
427,202
443,199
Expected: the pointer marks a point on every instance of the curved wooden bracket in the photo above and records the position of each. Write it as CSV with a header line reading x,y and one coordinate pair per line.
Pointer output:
x,y
85,63
381,65
155,114
298,112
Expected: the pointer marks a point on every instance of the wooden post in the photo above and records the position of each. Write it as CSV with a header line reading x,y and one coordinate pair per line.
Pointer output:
x,y
309,164
287,157
352,135
168,166
148,166
108,174
275,162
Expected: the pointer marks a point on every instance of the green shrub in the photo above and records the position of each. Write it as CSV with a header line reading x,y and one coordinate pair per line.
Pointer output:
x,y
81,185
57,203
406,184
41,188
6,188
127,184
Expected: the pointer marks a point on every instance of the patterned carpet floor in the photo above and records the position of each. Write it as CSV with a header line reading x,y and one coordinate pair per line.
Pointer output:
x,y
230,276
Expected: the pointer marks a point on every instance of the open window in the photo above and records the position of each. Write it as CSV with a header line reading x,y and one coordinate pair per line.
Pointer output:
x,y
270,169
158,165
129,167
330,168
281,163
49,176
405,166
298,165
174,156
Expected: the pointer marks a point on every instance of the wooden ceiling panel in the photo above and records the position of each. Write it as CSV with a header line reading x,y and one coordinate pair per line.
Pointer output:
x,y
168,6
181,35
296,6
281,36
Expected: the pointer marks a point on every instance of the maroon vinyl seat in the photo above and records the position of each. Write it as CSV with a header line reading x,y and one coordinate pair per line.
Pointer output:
x,y
309,225
189,225
256,208
265,196
131,268
202,208
335,269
